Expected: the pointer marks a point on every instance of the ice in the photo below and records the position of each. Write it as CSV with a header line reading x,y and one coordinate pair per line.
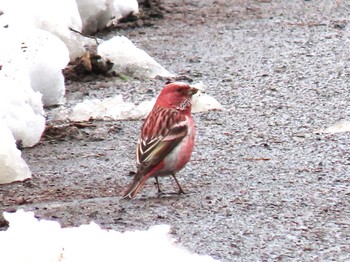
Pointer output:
x,y
12,166
130,60
98,14
86,243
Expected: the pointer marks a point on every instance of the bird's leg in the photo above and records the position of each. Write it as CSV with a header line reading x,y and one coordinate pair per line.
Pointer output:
x,y
177,182
157,182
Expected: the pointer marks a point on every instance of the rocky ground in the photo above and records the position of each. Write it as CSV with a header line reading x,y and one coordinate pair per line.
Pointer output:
x,y
263,184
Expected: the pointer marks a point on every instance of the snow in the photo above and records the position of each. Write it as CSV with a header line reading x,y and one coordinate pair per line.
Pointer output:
x,y
42,55
21,111
54,15
59,16
202,102
115,108
20,107
46,55
30,75
125,7
98,14
130,60
26,63
340,127
12,166
86,243
111,108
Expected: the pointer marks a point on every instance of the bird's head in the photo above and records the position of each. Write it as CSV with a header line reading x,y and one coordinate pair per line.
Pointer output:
x,y
177,95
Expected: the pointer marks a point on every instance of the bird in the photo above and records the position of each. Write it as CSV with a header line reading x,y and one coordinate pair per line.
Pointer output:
x,y
167,137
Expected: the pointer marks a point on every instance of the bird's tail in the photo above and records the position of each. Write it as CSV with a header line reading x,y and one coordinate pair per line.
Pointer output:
x,y
135,187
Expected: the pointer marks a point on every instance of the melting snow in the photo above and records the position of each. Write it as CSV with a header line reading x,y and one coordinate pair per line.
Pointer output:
x,y
31,240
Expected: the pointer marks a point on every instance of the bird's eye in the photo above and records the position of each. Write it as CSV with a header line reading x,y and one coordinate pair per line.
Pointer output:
x,y
179,90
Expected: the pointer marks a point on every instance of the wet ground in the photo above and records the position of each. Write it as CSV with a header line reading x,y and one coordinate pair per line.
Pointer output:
x,y
263,184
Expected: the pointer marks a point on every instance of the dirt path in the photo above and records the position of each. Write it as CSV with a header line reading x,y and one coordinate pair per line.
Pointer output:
x,y
262,185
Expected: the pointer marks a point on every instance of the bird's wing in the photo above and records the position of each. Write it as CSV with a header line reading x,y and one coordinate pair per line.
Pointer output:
x,y
161,133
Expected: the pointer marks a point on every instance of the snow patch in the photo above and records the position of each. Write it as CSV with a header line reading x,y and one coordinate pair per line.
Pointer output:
x,y
98,14
46,55
115,108
130,60
86,243
343,126
58,18
20,107
202,102
112,108
12,166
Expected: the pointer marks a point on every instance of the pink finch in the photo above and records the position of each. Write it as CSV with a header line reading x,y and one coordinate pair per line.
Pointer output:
x,y
167,137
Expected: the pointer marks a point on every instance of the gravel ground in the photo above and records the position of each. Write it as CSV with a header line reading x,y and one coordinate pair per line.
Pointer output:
x,y
263,183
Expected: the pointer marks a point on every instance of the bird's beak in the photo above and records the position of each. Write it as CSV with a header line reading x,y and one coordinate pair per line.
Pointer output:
x,y
191,91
